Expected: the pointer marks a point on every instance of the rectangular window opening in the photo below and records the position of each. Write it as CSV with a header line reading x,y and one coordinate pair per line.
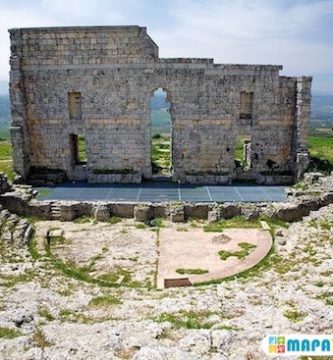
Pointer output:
x,y
74,105
79,151
246,105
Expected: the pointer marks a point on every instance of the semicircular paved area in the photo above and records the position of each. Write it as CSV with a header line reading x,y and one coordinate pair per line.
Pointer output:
x,y
196,249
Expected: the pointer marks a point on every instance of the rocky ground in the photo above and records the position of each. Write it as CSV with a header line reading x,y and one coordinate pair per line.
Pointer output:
x,y
65,309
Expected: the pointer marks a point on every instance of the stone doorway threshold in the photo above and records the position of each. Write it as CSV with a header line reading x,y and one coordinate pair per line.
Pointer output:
x,y
199,250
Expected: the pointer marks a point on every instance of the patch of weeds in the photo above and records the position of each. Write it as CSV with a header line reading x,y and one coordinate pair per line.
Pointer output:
x,y
39,339
75,316
32,219
310,250
319,284
191,271
105,300
43,312
327,273
294,315
118,273
32,247
13,280
187,319
241,254
327,297
182,229
300,186
58,240
228,327
9,333
141,226
83,220
114,220
272,261
71,270
326,225
157,222
134,258
235,222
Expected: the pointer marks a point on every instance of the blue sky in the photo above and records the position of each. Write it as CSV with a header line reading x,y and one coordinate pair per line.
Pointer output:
x,y
297,34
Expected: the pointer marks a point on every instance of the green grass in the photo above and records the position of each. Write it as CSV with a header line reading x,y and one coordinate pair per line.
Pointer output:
x,y
114,220
32,247
6,164
321,151
83,220
158,223
236,222
187,319
294,315
40,340
43,312
82,151
321,147
272,261
5,150
140,226
192,271
239,222
105,300
13,280
241,254
161,154
8,333
327,297
82,273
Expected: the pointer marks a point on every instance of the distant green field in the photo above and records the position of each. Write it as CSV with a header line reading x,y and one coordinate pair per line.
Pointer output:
x,y
321,147
6,164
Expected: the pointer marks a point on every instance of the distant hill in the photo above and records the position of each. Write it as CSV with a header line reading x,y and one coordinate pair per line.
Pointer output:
x,y
4,109
4,88
322,110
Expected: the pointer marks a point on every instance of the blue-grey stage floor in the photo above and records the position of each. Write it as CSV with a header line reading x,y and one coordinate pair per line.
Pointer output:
x,y
161,191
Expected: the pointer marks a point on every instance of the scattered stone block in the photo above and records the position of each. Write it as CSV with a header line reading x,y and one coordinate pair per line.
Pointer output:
x,y
102,213
142,213
56,233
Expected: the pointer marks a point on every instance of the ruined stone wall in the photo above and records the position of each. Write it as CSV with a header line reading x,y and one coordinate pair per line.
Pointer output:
x,y
115,71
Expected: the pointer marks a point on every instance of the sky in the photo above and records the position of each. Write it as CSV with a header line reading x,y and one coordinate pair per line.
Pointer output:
x,y
297,34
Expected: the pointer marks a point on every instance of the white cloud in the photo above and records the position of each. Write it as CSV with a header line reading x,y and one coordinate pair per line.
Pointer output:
x,y
231,31
250,32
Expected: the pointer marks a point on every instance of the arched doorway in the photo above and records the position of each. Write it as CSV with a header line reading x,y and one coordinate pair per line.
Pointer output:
x,y
161,140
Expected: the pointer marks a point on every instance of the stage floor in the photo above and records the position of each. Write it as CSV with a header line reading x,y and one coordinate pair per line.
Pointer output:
x,y
160,191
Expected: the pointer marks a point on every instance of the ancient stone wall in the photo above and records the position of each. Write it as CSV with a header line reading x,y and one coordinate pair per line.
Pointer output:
x,y
97,82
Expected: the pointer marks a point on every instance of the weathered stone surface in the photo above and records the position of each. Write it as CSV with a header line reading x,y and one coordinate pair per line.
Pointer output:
x,y
229,210
143,213
177,213
98,81
4,184
15,232
102,213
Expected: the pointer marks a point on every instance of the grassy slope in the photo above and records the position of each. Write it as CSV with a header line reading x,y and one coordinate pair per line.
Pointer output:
x,y
6,164
321,147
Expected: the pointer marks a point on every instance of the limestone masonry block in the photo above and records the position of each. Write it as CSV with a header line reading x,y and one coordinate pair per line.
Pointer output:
x,y
96,83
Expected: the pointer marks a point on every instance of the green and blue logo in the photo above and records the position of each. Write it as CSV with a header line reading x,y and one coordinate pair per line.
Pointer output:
x,y
298,344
